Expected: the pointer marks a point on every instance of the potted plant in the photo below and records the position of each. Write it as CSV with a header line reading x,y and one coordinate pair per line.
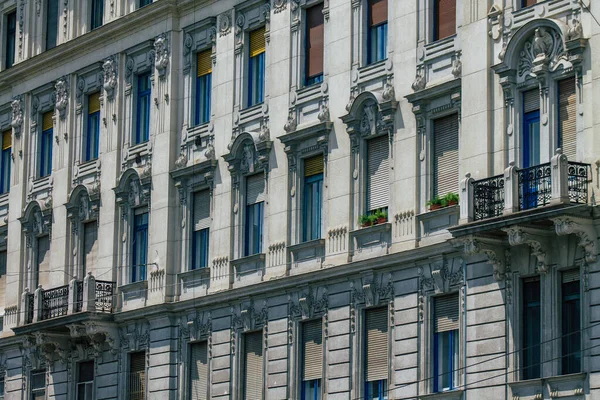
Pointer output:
x,y
364,221
435,203
381,215
372,219
452,199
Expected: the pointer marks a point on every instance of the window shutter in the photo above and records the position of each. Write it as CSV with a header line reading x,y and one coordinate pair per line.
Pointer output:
x,y
527,3
446,313
47,122
201,212
137,375
6,140
445,18
199,371
94,103
378,185
313,166
204,63
253,368
257,41
531,101
377,344
567,115
255,188
312,347
445,155
90,244
378,12
314,40
571,275
43,260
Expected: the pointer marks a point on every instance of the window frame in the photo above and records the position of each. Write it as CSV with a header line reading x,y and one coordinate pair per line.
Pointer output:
x,y
253,238
578,336
91,152
434,22
243,361
144,3
382,383
49,44
35,391
85,384
142,96
251,85
201,241
139,229
525,329
10,33
319,388
202,93
45,153
5,164
315,216
369,49
454,349
316,79
94,24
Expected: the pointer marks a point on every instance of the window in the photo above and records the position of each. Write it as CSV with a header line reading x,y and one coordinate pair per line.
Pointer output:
x,y
567,118
256,67
85,380
252,373
377,31
312,360
313,203
444,20
3,260
97,13
90,246
199,376
314,45
445,155
145,3
140,246
531,329
531,128
200,226
37,384
46,144
42,259
5,162
2,385
378,185
445,343
203,87
571,322
527,3
142,127
376,353
92,139
11,35
137,376
51,23
255,198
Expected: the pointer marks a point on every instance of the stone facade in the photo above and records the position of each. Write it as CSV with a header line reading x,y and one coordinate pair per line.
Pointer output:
x,y
482,249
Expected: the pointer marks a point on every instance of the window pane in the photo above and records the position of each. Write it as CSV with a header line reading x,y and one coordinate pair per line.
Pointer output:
x,y
314,44
313,187
46,153
145,2
203,88
257,77
531,329
200,249
11,29
254,222
571,337
93,136
97,13
5,165
140,247
51,23
143,108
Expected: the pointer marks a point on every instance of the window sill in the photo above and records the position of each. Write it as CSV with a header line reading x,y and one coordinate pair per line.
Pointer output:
x,y
570,385
440,42
371,241
194,283
449,395
307,256
376,65
248,270
134,294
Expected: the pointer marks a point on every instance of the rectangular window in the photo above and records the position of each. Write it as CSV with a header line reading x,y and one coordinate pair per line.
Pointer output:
x,y
11,35
527,3
376,353
377,31
51,23
2,386
312,360
252,387
199,376
142,121
256,67
571,322
200,226
5,161
137,376
92,138
445,343
46,144
314,45
445,155
255,200
85,380
378,172
90,246
567,118
531,128
140,247
37,384
313,198
144,3
203,87
97,15
531,328
444,20
42,260
3,260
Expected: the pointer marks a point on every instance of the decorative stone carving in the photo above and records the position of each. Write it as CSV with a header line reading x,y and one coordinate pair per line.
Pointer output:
x,y
309,304
420,82
109,68
248,318
457,68
518,235
17,115
225,23
323,115
248,160
545,47
62,96
279,5
442,276
585,232
389,93
161,54
575,30
493,251
291,123
181,161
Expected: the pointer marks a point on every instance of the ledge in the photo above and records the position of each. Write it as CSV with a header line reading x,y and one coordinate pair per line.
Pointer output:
x,y
194,283
431,223
307,256
560,386
372,241
449,395
248,270
135,293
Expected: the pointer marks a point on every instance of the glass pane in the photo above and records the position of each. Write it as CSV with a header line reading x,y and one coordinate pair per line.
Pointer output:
x,y
531,329
571,317
5,173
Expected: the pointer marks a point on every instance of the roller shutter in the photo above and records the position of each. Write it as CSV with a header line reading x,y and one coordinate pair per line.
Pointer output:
x,y
201,211
313,166
531,101
199,371
376,328
253,366
445,155
378,12
571,275
567,115
257,41
314,40
445,15
94,103
255,189
312,348
90,244
204,63
378,185
446,313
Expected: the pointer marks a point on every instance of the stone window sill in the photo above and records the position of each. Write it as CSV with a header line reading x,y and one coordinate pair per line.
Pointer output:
x,y
449,395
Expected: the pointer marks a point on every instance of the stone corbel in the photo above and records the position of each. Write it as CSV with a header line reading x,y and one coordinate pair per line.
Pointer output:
x,y
583,229
492,249
536,239
305,304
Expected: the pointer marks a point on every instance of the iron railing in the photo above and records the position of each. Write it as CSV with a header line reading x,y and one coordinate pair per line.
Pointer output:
x,y
488,197
30,307
535,186
578,178
104,296
137,385
55,302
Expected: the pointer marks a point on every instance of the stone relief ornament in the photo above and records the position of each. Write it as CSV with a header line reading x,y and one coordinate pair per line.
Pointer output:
x,y
248,159
575,30
546,46
291,123
161,52
419,82
16,114
181,161
225,23
279,5
62,97
109,68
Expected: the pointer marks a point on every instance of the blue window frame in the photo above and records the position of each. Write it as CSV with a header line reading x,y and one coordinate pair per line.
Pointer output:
x,y
313,188
256,67
200,249
531,139
11,35
92,138
203,87
142,121
46,145
97,14
314,45
311,390
5,162
445,350
377,31
139,249
571,323
254,229
531,329
51,23
376,390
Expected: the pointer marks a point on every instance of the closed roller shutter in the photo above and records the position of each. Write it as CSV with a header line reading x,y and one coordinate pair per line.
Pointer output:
x,y
378,185
312,347
47,121
376,326
445,155
314,40
7,140
201,212
531,101
313,165
204,63
253,366
90,244
378,12
567,116
445,18
94,103
255,188
137,376
571,275
43,261
199,371
257,41
446,313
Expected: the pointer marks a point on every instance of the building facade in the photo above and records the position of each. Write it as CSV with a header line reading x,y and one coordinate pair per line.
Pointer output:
x,y
299,199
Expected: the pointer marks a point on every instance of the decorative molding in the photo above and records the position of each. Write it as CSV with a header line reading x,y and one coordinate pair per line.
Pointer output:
x,y
161,54
490,248
536,239
309,304
109,76
584,230
61,94
17,115
248,318
225,23
375,289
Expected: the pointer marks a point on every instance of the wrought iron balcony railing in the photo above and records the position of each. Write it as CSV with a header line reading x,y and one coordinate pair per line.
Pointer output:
x,y
105,291
55,302
488,197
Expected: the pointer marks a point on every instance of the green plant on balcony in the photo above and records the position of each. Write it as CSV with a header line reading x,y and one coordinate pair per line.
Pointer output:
x,y
450,199
375,217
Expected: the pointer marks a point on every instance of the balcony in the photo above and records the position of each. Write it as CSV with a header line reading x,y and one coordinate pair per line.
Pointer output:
x,y
557,183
